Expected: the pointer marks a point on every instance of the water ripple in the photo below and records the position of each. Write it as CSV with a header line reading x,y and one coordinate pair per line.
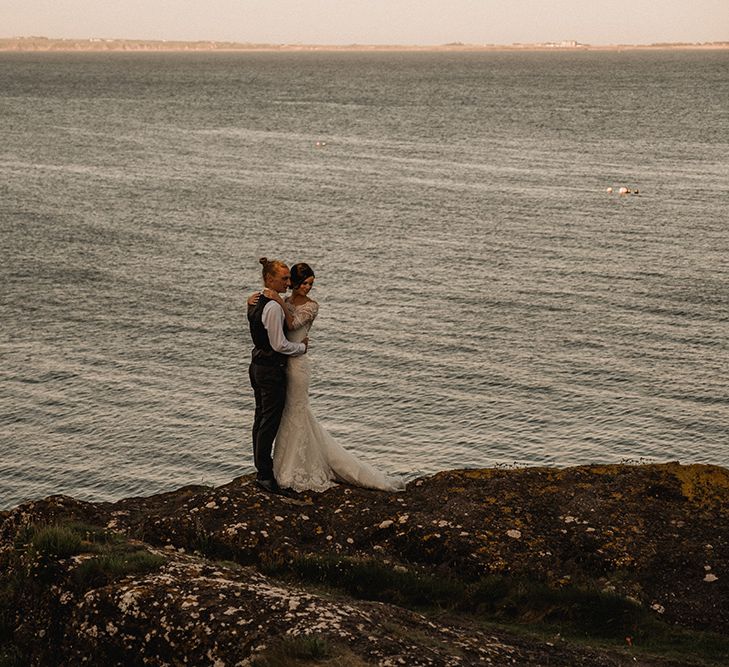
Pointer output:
x,y
483,300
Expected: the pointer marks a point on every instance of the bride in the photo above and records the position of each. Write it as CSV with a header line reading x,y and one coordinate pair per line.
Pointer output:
x,y
306,457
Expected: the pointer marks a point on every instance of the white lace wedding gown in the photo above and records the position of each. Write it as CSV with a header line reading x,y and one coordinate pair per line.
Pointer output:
x,y
306,457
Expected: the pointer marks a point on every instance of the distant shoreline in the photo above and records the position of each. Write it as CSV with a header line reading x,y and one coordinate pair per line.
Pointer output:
x,y
39,44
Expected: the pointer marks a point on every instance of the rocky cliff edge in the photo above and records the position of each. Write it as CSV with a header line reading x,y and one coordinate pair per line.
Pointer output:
x,y
590,565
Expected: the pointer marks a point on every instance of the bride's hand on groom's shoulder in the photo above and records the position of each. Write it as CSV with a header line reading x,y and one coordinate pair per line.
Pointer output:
x,y
275,296
253,298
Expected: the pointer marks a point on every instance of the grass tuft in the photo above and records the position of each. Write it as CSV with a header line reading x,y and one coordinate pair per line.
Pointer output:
x,y
56,541
372,580
113,564
62,540
27,570
586,611
113,557
292,651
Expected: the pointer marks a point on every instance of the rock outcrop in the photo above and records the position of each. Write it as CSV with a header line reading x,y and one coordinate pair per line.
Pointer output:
x,y
583,565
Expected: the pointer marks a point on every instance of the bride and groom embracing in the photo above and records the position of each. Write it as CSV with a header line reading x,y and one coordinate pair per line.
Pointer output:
x,y
305,456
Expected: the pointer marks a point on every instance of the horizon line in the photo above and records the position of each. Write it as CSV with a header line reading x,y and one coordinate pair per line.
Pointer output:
x,y
212,44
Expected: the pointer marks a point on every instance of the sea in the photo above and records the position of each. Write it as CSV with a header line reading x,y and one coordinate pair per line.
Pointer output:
x,y
485,299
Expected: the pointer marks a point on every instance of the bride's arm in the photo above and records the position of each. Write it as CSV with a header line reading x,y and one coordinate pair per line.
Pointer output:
x,y
304,315
275,296
251,303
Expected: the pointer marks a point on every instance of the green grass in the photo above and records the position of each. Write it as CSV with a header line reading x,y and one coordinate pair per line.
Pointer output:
x,y
62,540
27,570
372,580
590,614
204,543
291,651
56,541
114,563
705,648
113,556
584,610
582,614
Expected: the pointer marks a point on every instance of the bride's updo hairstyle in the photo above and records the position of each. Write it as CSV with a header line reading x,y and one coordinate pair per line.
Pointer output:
x,y
270,266
299,273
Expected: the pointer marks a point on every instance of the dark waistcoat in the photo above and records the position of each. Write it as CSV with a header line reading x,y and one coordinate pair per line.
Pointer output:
x,y
262,353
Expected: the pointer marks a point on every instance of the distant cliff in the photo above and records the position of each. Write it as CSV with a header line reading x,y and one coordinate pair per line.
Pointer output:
x,y
98,44
592,565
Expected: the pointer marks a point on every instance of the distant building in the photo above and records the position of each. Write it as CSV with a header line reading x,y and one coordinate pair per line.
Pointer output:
x,y
565,44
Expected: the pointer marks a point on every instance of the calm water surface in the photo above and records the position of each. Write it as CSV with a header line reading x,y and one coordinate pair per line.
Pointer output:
x,y
484,300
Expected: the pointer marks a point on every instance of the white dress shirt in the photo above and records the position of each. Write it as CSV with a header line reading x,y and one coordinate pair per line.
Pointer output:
x,y
272,319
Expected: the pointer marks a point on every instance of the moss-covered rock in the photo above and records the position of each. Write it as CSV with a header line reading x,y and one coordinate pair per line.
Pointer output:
x,y
621,557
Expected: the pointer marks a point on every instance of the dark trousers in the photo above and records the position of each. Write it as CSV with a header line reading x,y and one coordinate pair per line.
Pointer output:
x,y
269,388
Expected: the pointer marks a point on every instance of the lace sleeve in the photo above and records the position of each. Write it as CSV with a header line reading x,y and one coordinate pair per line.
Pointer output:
x,y
305,314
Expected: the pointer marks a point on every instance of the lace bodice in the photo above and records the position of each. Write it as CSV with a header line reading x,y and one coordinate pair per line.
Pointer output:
x,y
303,316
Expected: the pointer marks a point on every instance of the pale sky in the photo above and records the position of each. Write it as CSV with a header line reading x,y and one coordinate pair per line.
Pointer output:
x,y
426,22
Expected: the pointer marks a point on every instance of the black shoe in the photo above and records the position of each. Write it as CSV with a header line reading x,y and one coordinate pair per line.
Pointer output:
x,y
268,485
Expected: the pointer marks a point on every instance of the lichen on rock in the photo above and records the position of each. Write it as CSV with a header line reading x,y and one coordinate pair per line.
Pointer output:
x,y
223,576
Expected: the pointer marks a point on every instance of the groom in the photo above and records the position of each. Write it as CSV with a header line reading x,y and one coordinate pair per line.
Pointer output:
x,y
268,369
